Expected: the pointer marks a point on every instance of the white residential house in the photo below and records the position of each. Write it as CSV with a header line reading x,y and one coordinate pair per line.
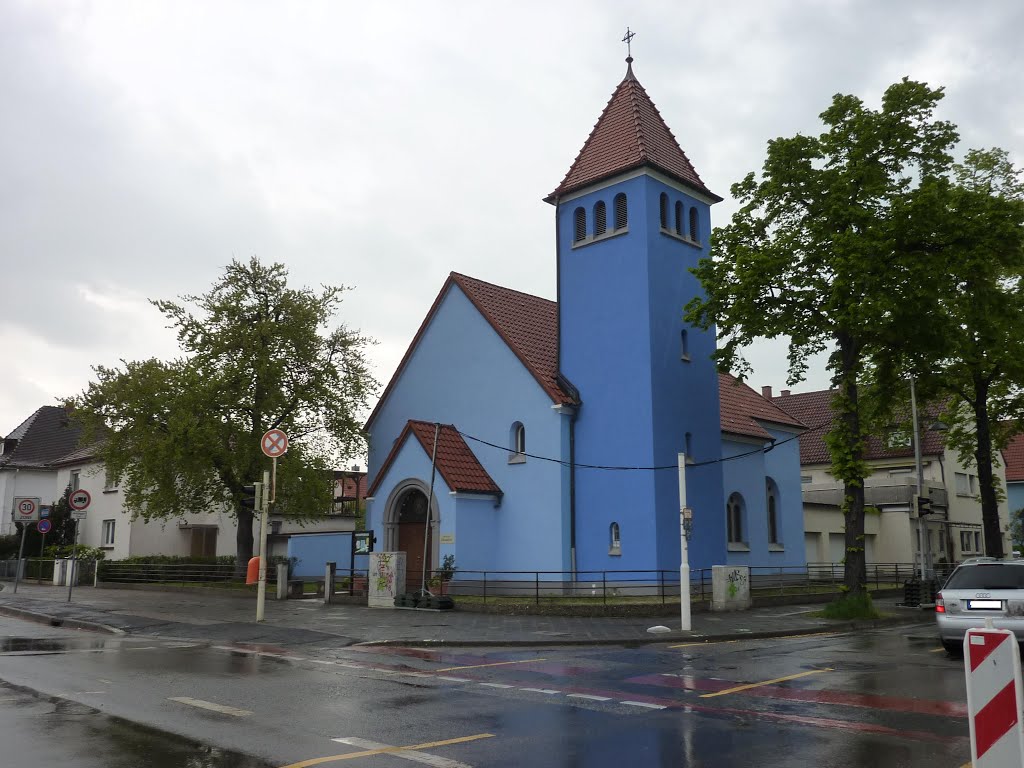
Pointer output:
x,y
891,535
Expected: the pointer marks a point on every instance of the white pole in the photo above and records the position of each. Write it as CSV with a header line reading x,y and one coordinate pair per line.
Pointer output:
x,y
267,495
923,537
684,552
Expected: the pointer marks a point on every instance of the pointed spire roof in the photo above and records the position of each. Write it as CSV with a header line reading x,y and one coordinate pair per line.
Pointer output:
x,y
629,134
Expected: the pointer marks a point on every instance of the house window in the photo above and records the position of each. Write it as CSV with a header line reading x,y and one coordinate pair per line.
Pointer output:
x,y
108,533
110,482
962,486
772,492
76,480
621,214
680,223
734,518
972,482
694,230
977,542
965,541
805,479
684,345
580,225
942,543
614,542
663,210
517,443
600,218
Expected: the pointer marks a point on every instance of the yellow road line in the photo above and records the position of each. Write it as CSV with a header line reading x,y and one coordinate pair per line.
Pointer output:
x,y
386,750
936,650
747,687
706,642
495,664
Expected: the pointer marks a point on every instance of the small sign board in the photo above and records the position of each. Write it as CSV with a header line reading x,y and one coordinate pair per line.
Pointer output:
x,y
79,500
362,542
26,510
44,526
79,514
274,443
44,511
447,538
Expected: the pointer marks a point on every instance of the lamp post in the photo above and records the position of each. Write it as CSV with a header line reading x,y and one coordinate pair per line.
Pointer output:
x,y
685,530
923,534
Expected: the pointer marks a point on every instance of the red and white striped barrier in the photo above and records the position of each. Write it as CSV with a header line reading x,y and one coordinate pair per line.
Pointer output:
x,y
995,699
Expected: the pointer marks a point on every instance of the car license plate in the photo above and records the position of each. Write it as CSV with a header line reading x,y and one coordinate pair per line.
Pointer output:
x,y
988,605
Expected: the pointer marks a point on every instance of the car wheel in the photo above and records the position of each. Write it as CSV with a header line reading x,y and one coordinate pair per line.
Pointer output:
x,y
953,648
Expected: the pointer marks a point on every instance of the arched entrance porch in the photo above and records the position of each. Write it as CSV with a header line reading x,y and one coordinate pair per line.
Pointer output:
x,y
406,530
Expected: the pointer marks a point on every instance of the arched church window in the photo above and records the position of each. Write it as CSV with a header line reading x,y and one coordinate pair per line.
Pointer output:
x,y
680,222
663,210
614,541
600,218
621,217
579,225
517,443
694,228
734,509
772,494
684,345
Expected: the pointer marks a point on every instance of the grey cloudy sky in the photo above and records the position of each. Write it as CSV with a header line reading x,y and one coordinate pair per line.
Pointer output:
x,y
381,145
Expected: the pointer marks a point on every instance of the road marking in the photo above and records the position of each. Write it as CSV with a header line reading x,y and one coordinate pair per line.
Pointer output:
x,y
548,691
210,706
495,664
497,685
453,679
936,650
747,687
705,642
322,661
418,757
643,704
589,697
387,751
797,613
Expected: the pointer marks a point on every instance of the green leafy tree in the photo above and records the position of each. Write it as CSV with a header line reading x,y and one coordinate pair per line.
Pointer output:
x,y
815,254
183,436
973,355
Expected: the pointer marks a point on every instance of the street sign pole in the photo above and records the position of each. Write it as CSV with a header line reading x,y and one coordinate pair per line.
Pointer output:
x,y
74,556
267,495
42,548
21,549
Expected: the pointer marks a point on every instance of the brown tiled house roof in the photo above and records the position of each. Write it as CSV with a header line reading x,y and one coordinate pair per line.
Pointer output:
x,y
456,463
43,438
815,410
629,134
1013,458
527,324
743,409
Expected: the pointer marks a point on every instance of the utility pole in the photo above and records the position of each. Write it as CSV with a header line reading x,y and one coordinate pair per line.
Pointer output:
x,y
685,529
923,537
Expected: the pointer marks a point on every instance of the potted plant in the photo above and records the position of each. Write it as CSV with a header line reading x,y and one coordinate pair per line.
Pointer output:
x,y
444,574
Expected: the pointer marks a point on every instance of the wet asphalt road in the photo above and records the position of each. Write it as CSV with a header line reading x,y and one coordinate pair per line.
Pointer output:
x,y
850,701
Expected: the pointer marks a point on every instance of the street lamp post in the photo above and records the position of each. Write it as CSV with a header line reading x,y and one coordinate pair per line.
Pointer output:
x,y
685,529
923,536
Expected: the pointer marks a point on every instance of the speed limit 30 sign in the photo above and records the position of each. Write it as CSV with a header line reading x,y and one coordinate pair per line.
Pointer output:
x,y
26,509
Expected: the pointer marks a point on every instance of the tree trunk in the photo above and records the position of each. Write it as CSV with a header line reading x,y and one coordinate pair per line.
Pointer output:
x,y
243,539
986,479
850,469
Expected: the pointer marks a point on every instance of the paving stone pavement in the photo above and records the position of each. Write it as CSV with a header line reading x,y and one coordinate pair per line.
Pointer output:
x,y
309,622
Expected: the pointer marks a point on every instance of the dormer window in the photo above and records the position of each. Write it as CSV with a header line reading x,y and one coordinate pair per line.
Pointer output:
x,y
694,228
663,210
600,218
621,214
579,225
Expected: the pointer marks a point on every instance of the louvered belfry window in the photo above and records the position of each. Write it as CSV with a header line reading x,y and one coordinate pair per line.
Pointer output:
x,y
663,210
621,218
680,222
694,231
600,218
580,225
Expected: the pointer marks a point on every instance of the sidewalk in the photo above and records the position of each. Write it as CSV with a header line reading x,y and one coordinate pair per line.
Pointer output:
x,y
311,623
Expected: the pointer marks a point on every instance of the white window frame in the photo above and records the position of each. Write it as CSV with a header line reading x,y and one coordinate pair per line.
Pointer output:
x,y
108,531
614,539
76,480
963,487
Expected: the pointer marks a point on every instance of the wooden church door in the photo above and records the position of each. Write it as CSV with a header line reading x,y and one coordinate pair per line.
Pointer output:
x,y
412,519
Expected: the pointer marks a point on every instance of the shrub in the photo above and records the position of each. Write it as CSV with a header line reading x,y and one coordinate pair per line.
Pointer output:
x,y
851,607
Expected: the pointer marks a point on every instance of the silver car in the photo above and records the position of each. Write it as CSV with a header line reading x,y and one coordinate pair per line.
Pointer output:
x,y
979,589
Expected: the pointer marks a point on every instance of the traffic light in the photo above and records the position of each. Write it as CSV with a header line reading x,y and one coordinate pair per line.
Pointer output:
x,y
252,497
923,505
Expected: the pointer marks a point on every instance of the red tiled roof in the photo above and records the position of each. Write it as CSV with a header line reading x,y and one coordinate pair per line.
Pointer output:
x,y
346,487
1013,457
815,410
630,134
528,325
743,409
456,463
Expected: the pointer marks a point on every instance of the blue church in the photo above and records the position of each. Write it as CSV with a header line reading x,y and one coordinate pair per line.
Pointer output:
x,y
555,426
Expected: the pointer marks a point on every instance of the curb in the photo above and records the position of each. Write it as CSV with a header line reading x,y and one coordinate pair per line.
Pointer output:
x,y
56,621
667,637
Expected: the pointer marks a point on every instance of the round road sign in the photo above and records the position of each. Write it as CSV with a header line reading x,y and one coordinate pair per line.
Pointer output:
x,y
44,526
27,508
274,443
79,499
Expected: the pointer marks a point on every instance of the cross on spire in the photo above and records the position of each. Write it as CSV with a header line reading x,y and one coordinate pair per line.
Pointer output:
x,y
628,40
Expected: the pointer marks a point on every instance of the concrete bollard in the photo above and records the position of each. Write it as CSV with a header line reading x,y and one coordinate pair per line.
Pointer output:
x,y
329,582
282,581
58,571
